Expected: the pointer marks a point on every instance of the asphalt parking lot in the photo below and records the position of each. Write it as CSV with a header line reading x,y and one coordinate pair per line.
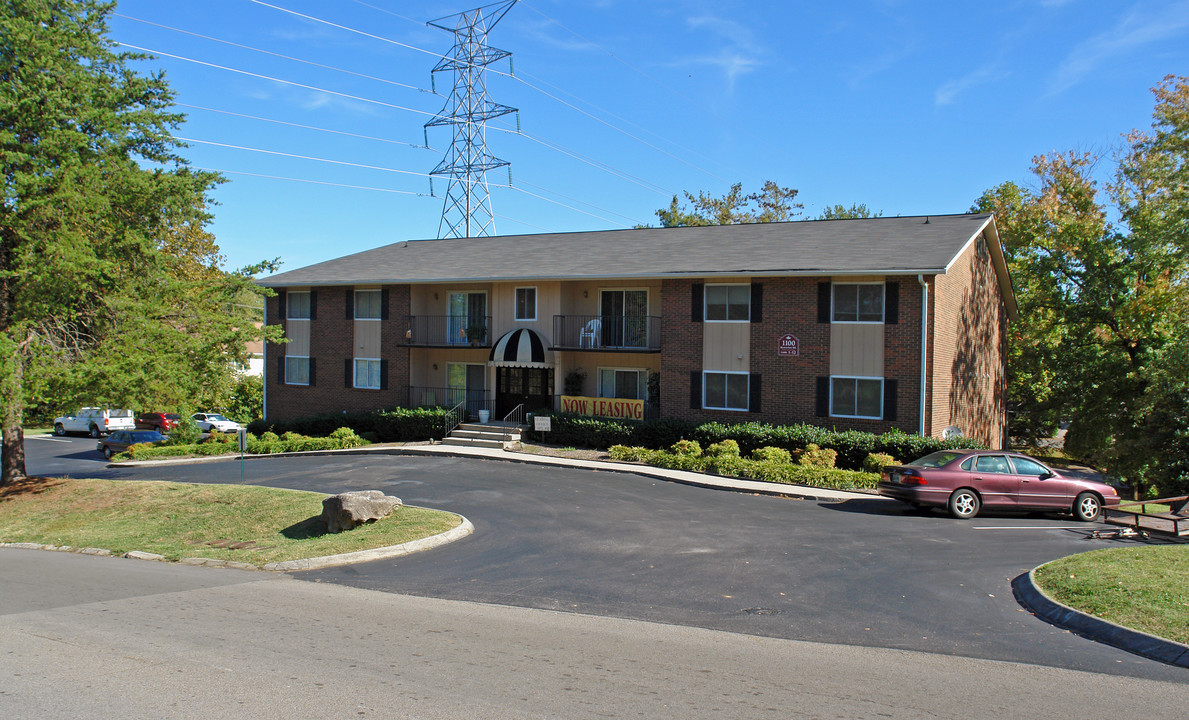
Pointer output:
x,y
866,572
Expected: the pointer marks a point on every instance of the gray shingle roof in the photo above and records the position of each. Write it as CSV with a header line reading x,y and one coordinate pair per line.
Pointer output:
x,y
896,245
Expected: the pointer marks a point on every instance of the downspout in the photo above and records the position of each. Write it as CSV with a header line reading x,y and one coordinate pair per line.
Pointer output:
x,y
924,346
264,370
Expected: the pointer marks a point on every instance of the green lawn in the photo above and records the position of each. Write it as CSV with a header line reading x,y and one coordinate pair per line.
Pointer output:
x,y
249,524
1143,588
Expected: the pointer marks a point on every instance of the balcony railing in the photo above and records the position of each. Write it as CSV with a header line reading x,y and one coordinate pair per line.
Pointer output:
x,y
472,400
448,331
627,333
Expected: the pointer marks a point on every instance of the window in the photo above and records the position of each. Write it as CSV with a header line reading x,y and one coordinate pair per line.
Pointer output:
x,y
1024,466
856,397
628,384
994,464
728,303
297,370
526,303
861,302
367,373
367,305
297,305
725,391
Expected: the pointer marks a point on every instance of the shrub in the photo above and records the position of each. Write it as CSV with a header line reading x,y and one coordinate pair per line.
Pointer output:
x,y
689,448
391,425
186,432
814,456
772,454
723,448
629,454
876,462
269,437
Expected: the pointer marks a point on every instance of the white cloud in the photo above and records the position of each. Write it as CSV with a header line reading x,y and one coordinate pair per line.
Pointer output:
x,y
947,92
1135,30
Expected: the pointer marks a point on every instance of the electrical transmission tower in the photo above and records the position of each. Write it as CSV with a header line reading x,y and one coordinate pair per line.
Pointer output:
x,y
467,209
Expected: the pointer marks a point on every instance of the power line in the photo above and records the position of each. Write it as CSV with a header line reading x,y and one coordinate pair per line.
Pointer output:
x,y
267,77
308,127
279,55
313,182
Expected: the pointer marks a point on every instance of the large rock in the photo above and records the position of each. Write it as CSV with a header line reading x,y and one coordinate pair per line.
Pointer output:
x,y
346,510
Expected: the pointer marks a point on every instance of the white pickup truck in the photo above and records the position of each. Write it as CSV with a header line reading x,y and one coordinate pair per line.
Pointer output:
x,y
94,421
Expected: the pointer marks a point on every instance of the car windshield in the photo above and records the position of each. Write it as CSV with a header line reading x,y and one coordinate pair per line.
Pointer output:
x,y
216,416
937,459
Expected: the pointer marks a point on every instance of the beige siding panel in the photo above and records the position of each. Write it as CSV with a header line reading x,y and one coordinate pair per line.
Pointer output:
x,y
857,349
726,346
298,332
367,339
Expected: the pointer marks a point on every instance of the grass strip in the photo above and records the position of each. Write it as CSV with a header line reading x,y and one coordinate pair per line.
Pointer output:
x,y
1142,588
250,524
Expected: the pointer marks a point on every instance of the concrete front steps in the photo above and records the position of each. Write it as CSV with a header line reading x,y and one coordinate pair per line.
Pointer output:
x,y
487,436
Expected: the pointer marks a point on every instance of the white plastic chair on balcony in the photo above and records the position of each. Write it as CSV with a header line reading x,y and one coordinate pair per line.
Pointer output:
x,y
591,332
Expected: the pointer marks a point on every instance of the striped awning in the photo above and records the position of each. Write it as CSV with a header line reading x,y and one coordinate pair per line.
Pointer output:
x,y
519,348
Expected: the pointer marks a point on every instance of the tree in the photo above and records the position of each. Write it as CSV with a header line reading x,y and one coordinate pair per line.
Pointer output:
x,y
1105,302
841,212
772,204
109,286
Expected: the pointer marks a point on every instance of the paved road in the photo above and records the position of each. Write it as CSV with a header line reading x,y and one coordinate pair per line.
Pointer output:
x,y
864,573
93,637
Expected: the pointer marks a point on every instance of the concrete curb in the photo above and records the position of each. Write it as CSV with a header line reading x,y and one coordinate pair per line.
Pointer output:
x,y
1133,641
464,528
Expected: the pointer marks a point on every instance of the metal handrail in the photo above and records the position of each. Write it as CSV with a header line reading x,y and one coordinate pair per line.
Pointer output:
x,y
454,418
516,418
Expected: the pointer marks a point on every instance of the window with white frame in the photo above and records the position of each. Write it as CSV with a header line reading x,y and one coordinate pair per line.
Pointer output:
x,y
623,383
367,373
367,305
728,303
725,390
297,305
858,302
297,370
857,397
526,303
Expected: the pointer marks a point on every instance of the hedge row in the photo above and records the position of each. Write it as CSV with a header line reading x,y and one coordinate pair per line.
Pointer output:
x,y
853,446
729,465
267,444
392,425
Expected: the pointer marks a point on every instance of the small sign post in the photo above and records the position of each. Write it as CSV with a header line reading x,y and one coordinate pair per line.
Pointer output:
x,y
242,436
542,423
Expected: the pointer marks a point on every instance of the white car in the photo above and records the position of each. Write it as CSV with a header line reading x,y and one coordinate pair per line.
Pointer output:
x,y
207,421
94,421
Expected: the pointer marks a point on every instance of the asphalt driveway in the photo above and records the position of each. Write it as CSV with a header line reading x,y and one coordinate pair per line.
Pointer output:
x,y
865,572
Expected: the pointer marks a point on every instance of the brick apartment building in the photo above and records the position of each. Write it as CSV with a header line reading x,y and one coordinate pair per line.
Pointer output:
x,y
868,324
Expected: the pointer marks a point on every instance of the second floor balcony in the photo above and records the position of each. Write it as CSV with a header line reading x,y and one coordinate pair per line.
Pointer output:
x,y
449,331
615,333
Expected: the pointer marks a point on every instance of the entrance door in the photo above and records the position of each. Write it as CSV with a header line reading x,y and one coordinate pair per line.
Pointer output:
x,y
531,386
625,318
467,383
468,310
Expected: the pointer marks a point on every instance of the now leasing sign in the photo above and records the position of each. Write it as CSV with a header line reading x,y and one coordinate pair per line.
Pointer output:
x,y
603,407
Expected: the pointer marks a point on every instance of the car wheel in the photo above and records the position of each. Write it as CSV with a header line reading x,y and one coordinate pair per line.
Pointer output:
x,y
1087,507
59,430
107,452
964,504
94,431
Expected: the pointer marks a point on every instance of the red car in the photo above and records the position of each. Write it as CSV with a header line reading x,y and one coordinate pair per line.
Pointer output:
x,y
965,481
161,422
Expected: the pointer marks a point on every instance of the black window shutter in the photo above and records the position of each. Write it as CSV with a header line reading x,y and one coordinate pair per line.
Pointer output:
x,y
313,307
695,390
753,393
384,372
384,304
695,303
312,371
889,399
891,303
757,302
281,369
281,305
822,404
348,380
823,302
350,303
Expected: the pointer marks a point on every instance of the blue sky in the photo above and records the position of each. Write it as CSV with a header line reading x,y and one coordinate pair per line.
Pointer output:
x,y
910,107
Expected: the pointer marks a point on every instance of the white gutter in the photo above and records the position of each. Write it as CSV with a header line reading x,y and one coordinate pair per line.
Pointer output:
x,y
924,345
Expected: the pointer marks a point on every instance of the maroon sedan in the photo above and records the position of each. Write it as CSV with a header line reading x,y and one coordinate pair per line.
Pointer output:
x,y
964,481
161,422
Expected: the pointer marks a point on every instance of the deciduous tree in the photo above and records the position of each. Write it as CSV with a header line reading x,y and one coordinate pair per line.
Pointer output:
x,y
772,204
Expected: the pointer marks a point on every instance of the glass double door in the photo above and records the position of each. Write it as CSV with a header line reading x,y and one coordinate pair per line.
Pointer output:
x,y
468,318
624,318
467,383
531,386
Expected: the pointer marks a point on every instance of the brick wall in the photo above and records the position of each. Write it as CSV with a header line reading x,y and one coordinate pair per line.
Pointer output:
x,y
789,383
968,374
681,350
332,337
